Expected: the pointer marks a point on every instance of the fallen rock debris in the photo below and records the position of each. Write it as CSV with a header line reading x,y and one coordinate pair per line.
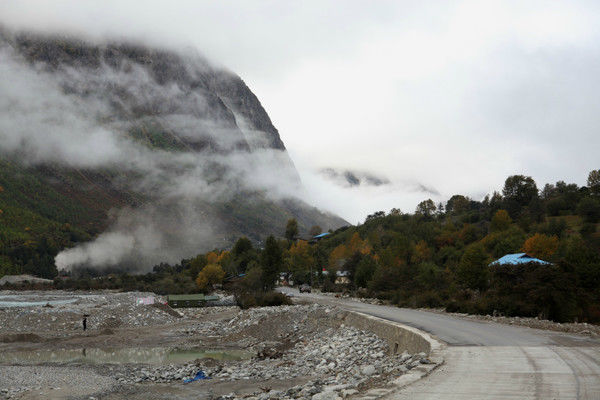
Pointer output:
x,y
300,343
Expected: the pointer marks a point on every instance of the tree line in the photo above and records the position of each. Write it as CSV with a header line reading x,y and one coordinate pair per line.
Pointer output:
x,y
437,256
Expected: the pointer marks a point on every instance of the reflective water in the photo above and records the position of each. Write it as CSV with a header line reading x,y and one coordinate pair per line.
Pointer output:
x,y
155,355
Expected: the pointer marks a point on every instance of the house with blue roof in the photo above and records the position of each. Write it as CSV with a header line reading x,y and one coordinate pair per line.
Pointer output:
x,y
318,237
518,258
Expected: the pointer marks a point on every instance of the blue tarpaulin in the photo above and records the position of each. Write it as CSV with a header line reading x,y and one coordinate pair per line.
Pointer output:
x,y
199,375
518,258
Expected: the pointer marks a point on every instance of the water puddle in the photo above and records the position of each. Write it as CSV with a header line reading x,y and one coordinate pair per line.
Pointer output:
x,y
7,304
155,355
33,301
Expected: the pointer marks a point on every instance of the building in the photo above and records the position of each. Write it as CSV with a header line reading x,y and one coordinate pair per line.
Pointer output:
x,y
342,278
189,300
318,237
517,259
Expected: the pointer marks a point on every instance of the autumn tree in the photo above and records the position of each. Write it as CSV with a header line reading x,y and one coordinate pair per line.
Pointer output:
x,y
541,246
210,275
337,255
357,245
291,229
300,260
216,257
421,252
500,221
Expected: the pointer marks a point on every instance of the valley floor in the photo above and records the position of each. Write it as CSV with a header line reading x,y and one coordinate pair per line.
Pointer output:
x,y
147,352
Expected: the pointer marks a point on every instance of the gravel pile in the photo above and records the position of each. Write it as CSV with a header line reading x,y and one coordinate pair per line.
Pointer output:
x,y
17,379
338,360
308,345
107,310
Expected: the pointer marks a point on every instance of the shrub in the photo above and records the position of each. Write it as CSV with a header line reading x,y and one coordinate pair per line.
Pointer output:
x,y
261,299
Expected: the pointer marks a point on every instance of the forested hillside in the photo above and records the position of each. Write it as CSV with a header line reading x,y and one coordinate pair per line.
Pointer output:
x,y
438,256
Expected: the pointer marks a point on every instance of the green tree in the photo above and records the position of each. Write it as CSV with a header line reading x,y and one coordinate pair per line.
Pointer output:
x,y
272,261
242,246
520,188
253,280
429,276
242,254
593,182
589,209
291,229
426,208
364,271
197,264
473,267
457,204
500,221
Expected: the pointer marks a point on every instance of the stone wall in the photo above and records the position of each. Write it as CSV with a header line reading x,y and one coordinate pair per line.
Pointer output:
x,y
399,337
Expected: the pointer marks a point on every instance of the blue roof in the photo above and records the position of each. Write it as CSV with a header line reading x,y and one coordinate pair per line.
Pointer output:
x,y
518,258
321,235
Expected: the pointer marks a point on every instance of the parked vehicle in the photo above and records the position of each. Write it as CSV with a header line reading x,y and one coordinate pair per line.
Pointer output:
x,y
304,288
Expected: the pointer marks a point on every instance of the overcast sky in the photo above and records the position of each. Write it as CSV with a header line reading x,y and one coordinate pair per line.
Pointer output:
x,y
454,96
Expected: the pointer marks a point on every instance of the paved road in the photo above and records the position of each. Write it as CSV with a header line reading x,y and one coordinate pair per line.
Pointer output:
x,y
486,360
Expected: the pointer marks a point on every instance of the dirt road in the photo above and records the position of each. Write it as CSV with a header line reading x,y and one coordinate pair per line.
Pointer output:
x,y
487,360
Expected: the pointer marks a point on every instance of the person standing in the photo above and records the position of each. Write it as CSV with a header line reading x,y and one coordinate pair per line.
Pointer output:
x,y
84,322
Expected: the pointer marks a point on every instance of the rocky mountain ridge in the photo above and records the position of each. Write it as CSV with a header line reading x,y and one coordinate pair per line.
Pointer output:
x,y
154,154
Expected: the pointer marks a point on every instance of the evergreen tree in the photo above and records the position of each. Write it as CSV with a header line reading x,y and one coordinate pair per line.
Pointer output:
x,y
291,229
272,260
473,267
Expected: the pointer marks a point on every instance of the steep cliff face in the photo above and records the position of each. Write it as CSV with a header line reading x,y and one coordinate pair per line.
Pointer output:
x,y
153,154
205,106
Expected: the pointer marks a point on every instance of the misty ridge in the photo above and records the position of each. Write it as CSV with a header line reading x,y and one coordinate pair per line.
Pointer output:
x,y
347,178
179,137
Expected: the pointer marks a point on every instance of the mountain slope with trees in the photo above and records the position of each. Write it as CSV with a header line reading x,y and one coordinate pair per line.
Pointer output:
x,y
193,126
439,256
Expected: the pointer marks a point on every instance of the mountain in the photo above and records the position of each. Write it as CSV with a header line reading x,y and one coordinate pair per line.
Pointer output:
x,y
123,156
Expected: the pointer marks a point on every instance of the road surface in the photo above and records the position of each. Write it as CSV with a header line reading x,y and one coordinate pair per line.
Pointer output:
x,y
487,360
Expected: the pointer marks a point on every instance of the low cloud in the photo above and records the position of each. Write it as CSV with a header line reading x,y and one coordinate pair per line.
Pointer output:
x,y
86,118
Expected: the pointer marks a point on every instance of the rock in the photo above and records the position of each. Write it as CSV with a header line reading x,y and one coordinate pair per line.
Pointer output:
x,y
368,370
326,396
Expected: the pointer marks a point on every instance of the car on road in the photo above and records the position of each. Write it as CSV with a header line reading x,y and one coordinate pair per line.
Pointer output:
x,y
304,288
